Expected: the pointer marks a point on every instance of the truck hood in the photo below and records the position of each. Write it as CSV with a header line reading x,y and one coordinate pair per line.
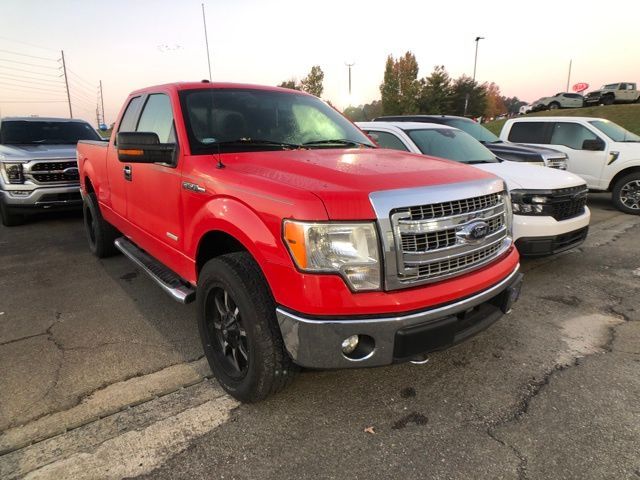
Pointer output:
x,y
530,177
522,153
26,153
344,178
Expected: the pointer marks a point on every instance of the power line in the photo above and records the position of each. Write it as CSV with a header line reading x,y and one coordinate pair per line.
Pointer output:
x,y
29,44
83,89
29,71
93,85
33,101
30,56
46,83
28,87
29,64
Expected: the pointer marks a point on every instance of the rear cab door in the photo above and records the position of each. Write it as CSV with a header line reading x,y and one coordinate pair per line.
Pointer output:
x,y
568,137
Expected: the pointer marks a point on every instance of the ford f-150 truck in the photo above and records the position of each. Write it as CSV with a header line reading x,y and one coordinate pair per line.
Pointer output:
x,y
301,243
38,169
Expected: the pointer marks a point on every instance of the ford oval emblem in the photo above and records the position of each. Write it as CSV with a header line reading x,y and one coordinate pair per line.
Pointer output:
x,y
474,232
70,172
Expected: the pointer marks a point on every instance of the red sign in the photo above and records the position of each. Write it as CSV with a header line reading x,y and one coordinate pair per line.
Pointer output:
x,y
580,87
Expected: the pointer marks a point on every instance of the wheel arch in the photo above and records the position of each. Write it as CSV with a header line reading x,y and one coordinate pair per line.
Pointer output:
x,y
622,173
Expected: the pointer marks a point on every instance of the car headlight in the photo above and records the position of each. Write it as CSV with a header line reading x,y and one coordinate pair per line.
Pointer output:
x,y
530,202
13,172
559,162
348,249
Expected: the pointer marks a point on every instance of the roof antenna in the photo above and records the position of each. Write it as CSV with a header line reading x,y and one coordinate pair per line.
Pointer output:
x,y
220,165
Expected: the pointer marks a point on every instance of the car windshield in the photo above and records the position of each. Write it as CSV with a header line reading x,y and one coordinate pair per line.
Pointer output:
x,y
474,129
253,119
451,144
615,132
611,86
31,132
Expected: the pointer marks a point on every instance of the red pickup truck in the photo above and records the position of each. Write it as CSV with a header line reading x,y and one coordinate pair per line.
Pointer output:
x,y
302,243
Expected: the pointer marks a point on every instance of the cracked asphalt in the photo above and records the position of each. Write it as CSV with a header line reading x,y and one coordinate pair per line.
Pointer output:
x,y
94,349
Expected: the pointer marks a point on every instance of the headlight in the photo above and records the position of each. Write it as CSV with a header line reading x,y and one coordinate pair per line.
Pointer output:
x,y
558,162
530,202
13,172
349,249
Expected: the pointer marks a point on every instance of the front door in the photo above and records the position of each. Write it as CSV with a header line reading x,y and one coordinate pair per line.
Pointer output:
x,y
154,188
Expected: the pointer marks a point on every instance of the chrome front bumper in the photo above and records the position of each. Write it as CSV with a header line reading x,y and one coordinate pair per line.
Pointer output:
x,y
43,198
316,343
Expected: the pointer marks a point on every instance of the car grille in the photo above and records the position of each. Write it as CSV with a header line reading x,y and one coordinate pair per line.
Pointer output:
x,y
65,171
568,202
434,242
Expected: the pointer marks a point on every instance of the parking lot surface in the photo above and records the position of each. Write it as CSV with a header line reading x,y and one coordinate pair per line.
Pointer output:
x,y
102,376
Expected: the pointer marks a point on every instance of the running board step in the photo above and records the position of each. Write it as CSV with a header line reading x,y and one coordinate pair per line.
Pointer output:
x,y
179,289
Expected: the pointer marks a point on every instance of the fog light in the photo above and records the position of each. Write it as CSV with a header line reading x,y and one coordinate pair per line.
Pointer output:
x,y
349,344
20,193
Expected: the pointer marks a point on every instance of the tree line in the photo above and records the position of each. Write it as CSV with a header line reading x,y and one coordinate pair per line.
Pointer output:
x,y
403,93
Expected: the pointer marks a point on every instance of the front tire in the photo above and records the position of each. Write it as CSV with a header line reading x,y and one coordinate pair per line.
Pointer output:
x,y
10,219
626,194
608,100
554,106
239,330
100,233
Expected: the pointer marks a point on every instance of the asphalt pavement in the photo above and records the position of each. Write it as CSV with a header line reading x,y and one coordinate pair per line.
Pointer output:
x,y
102,376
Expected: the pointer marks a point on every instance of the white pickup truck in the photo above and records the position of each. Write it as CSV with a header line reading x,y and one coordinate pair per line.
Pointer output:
x,y
549,205
606,155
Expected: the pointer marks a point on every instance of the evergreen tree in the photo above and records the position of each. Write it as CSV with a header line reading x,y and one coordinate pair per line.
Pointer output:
x,y
312,83
435,92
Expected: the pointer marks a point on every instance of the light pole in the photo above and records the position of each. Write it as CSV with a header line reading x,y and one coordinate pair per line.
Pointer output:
x,y
475,62
349,65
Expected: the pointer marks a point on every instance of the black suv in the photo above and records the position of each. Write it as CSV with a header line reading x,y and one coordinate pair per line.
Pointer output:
x,y
505,150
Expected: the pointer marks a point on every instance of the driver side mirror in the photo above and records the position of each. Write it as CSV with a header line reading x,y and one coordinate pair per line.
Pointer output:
x,y
594,145
144,147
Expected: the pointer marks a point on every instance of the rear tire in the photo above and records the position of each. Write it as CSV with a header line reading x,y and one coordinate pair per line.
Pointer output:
x,y
100,233
10,219
239,330
626,194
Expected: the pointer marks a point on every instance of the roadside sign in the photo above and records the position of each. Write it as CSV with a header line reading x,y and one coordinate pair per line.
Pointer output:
x,y
580,87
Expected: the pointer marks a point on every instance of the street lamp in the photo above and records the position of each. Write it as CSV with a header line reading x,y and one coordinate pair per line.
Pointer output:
x,y
475,62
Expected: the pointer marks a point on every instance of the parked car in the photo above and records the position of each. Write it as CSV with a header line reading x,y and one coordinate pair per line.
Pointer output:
x,y
549,206
606,155
524,109
624,92
301,242
559,100
39,171
507,151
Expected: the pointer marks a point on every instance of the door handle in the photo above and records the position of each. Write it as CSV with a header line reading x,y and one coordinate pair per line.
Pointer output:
x,y
127,172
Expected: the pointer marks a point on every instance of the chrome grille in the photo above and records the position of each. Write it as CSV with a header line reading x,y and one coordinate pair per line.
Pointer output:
x,y
457,264
455,207
61,171
437,241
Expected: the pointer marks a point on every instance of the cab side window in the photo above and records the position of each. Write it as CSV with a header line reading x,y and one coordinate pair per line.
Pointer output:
x,y
387,140
128,123
530,132
157,117
571,135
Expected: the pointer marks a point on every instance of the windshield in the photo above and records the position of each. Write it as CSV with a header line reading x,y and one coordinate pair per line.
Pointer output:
x,y
615,132
611,86
452,145
474,129
29,132
250,120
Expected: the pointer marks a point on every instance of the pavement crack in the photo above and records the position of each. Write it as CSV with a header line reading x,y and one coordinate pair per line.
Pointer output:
x,y
9,342
522,465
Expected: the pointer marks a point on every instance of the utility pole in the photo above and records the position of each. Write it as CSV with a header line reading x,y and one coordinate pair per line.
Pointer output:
x,y
569,76
349,65
66,82
102,104
206,40
98,116
475,62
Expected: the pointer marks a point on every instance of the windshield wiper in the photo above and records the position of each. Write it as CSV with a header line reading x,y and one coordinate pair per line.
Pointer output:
x,y
256,141
338,141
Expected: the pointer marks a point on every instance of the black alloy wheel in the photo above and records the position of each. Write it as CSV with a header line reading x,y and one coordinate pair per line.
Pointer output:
x,y
226,332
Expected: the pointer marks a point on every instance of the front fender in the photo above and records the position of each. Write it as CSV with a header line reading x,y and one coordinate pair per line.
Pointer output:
x,y
259,236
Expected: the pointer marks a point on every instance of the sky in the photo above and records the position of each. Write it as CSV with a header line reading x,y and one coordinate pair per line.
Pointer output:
x,y
137,43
